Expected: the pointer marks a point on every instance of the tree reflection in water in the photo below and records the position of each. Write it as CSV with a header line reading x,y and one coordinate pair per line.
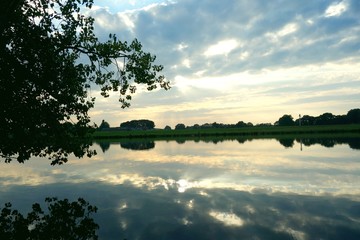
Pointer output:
x,y
138,145
287,142
353,143
104,146
64,220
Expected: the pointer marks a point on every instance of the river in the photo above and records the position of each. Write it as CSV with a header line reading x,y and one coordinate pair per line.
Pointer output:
x,y
205,189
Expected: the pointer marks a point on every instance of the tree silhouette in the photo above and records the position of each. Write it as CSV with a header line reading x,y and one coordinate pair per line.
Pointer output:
x,y
63,220
104,124
325,118
49,58
142,124
180,126
286,120
353,115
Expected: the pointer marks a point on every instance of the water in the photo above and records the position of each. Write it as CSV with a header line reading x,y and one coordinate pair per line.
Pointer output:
x,y
228,189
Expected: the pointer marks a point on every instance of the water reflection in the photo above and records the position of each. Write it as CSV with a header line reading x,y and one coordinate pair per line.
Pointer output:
x,y
258,189
145,144
127,211
138,145
287,142
354,143
104,145
141,144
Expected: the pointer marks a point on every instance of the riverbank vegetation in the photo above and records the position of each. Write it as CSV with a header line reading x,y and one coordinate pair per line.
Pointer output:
x,y
326,123
352,129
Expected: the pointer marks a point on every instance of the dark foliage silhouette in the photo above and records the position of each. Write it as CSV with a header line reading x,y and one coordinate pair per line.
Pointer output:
x,y
138,145
49,58
62,220
142,124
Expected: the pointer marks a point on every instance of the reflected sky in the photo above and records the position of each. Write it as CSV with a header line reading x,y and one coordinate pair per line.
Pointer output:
x,y
253,189
261,164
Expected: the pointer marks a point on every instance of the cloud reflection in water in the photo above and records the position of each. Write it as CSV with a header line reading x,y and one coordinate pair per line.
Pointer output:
x,y
204,191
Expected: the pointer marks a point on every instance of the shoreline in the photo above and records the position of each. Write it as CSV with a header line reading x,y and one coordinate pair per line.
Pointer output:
x,y
351,130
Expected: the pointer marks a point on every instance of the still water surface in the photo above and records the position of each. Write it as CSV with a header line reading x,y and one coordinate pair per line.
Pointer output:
x,y
233,189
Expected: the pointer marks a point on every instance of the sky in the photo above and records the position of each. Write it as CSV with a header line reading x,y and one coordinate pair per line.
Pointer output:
x,y
244,60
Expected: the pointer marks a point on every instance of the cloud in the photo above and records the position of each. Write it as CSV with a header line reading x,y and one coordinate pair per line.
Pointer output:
x,y
216,48
336,9
221,48
187,23
197,30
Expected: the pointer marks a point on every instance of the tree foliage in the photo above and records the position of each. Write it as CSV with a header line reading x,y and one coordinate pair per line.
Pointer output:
x,y
353,115
63,220
104,124
49,59
180,126
286,120
142,124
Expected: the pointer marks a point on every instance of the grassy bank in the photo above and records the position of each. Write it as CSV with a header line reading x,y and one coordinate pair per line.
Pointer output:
x,y
270,131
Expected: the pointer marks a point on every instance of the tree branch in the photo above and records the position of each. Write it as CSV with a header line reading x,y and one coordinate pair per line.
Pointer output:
x,y
88,52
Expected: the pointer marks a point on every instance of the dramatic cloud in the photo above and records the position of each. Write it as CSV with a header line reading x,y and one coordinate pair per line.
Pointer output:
x,y
230,52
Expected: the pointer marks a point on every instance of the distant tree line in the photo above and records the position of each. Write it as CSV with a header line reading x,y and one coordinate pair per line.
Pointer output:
x,y
180,126
142,124
352,117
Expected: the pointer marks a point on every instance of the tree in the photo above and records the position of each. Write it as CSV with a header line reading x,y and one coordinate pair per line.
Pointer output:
x,y
353,115
324,119
104,124
142,124
167,128
49,58
286,120
241,124
307,120
180,126
63,220
249,124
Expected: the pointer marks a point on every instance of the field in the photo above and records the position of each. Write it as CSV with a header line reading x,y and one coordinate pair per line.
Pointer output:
x,y
269,131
